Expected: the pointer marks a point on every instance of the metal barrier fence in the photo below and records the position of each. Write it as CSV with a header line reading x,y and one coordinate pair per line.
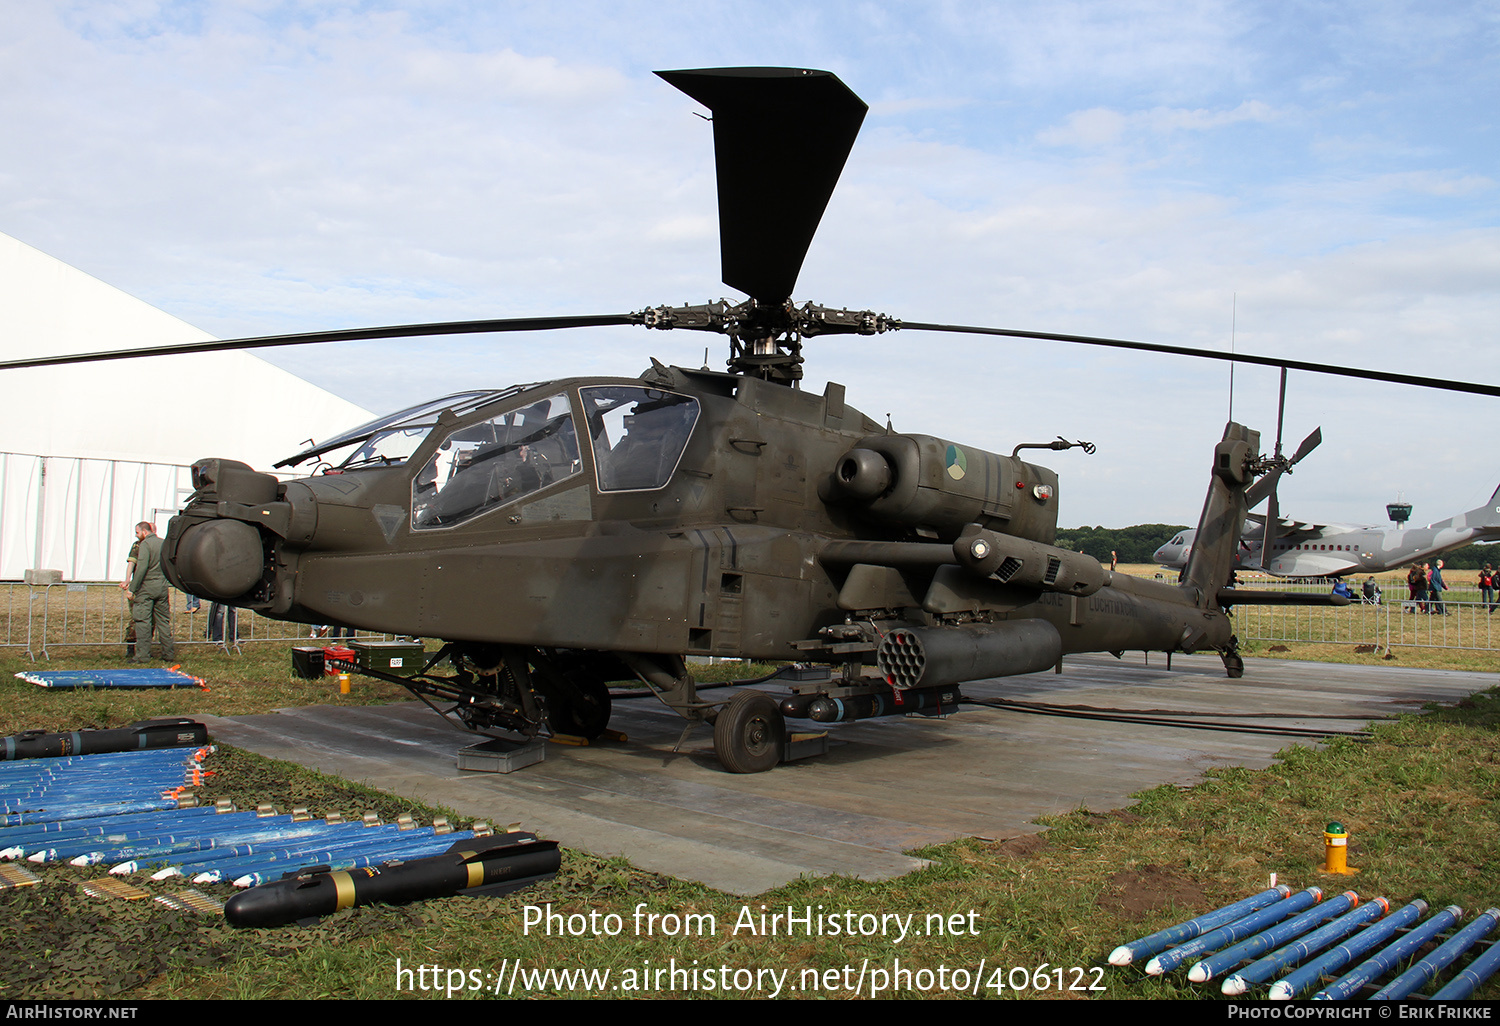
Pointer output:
x,y
42,617
38,618
1458,620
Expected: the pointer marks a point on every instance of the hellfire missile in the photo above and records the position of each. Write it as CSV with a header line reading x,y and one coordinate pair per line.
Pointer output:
x,y
491,866
164,733
887,702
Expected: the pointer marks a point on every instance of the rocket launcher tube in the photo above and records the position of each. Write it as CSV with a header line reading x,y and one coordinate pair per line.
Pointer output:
x,y
1428,967
1295,983
927,657
1214,965
1246,927
1161,940
1276,961
1388,958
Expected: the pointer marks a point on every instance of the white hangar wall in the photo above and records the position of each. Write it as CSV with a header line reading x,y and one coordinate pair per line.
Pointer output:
x,y
78,515
88,451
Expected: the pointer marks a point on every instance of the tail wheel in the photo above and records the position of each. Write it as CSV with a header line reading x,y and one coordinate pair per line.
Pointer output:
x,y
749,733
1234,667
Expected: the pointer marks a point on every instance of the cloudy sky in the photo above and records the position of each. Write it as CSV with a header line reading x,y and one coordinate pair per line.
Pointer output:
x,y
1317,178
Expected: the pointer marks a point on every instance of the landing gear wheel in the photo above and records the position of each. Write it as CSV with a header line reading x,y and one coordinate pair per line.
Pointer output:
x,y
1234,666
586,718
749,733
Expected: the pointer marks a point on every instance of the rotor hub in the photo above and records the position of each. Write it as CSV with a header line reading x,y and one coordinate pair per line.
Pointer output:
x,y
765,339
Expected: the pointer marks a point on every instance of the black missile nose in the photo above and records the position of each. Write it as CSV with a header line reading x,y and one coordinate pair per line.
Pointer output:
x,y
277,904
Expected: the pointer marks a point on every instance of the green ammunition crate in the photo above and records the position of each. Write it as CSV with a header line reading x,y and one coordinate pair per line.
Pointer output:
x,y
402,658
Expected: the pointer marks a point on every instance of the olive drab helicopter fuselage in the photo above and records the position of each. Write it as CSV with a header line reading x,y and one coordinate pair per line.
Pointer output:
x,y
563,535
567,533
686,512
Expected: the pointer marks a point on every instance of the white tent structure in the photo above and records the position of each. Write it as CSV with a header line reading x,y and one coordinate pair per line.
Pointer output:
x,y
89,450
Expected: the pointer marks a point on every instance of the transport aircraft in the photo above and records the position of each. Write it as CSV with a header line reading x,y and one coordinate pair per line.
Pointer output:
x,y
1306,549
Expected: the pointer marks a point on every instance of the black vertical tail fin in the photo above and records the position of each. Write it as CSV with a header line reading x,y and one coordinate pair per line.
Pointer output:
x,y
1223,520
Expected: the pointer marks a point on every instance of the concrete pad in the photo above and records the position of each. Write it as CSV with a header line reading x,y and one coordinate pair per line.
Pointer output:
x,y
887,786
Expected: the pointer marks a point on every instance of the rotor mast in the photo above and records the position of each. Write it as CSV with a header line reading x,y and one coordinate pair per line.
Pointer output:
x,y
771,199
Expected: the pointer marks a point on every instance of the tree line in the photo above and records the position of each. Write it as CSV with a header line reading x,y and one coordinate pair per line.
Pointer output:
x,y
1133,544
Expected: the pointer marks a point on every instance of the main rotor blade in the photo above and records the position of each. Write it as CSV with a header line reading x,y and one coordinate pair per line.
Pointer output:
x,y
1445,384
341,335
781,136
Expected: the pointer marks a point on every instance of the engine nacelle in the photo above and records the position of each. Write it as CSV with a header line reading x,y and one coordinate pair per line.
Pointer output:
x,y
922,482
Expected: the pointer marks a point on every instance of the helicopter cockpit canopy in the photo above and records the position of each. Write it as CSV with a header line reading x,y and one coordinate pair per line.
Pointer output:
x,y
389,440
481,466
637,436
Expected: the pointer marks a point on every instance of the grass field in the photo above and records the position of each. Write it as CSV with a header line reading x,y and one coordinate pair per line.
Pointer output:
x,y
1420,802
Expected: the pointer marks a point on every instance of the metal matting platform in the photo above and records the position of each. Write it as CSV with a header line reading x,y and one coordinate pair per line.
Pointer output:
x,y
886,786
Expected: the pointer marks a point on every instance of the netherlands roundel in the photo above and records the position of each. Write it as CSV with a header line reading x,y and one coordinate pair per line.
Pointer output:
x,y
957,463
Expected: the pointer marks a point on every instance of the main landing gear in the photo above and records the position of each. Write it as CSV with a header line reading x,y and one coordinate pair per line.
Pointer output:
x,y
749,733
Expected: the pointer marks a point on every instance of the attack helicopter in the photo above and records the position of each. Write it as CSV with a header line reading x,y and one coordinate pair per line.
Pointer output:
x,y
561,535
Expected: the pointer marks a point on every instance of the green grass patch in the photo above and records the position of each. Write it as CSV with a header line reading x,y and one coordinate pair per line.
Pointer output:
x,y
1419,800
258,679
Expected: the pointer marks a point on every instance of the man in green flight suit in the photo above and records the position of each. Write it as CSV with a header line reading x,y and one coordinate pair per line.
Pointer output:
x,y
148,595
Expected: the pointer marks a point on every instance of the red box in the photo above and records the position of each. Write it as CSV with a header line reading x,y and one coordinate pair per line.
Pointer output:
x,y
335,652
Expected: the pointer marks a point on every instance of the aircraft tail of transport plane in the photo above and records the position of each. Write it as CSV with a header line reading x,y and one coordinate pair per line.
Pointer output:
x,y
1304,549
